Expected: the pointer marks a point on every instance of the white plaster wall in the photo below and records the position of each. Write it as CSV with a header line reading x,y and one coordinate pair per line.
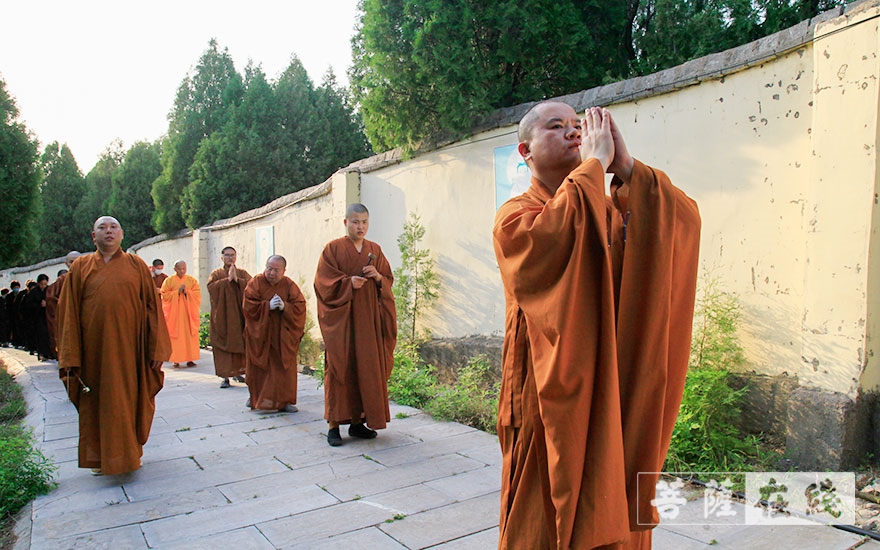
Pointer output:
x,y
453,192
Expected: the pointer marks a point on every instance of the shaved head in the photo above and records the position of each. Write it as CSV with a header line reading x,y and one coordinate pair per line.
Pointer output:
x,y
531,118
71,256
105,219
277,257
355,208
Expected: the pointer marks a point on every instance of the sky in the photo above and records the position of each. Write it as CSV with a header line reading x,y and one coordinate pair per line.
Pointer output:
x,y
86,72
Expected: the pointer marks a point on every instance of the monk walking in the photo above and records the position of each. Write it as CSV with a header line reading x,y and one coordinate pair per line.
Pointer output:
x,y
226,288
156,271
112,344
359,325
599,298
181,300
275,319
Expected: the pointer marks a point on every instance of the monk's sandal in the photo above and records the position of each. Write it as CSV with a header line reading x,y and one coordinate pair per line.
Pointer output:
x,y
333,437
361,431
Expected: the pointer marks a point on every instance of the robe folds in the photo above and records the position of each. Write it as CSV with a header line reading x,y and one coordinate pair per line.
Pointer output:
x,y
53,293
360,331
159,279
111,330
182,317
227,321
272,340
599,298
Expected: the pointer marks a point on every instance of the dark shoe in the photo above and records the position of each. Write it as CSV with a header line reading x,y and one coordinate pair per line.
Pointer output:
x,y
190,364
333,437
176,365
224,383
248,404
239,378
361,431
288,409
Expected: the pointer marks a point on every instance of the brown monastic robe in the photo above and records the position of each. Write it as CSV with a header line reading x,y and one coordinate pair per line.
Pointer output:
x,y
182,317
159,279
360,331
227,321
53,293
272,341
111,329
598,325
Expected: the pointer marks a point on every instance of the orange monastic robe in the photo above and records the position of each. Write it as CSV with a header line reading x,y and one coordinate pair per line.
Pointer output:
x,y
599,303
111,328
272,341
227,321
182,316
52,294
360,331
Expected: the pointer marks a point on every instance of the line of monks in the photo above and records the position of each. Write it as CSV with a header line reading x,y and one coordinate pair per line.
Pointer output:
x,y
599,290
119,320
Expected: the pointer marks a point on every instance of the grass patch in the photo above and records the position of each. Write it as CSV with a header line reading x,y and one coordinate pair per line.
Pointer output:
x,y
24,472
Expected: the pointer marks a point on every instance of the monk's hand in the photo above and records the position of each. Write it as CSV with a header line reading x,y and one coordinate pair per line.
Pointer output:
x,y
231,273
357,282
182,289
597,141
276,303
370,272
622,164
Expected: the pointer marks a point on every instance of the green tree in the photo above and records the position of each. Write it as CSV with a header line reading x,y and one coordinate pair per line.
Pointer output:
x,y
670,32
203,105
294,93
130,201
338,131
60,192
93,203
237,168
424,66
415,283
20,177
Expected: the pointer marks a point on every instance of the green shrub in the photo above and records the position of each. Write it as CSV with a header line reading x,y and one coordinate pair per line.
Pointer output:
x,y
412,382
705,437
205,330
471,400
24,472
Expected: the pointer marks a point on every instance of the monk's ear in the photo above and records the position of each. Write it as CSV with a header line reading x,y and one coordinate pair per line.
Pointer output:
x,y
524,151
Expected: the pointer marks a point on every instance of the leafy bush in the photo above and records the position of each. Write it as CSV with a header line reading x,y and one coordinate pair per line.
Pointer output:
x,y
309,348
471,400
705,437
412,382
24,472
205,330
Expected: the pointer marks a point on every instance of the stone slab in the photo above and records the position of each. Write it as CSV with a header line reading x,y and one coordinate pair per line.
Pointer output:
x,y
447,523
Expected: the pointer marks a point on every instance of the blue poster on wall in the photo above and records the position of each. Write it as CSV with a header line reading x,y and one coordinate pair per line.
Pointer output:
x,y
265,245
512,174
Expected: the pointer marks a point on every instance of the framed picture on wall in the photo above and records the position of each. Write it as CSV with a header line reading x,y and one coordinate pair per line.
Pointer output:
x,y
512,174
265,244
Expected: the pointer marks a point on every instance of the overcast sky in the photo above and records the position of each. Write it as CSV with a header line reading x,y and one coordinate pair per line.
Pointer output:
x,y
86,72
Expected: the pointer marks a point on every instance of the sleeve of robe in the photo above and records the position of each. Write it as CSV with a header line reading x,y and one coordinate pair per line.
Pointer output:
x,y
69,328
657,285
334,291
293,323
554,259
156,345
387,311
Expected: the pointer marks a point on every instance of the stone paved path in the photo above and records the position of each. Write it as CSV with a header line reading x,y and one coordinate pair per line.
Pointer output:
x,y
217,475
